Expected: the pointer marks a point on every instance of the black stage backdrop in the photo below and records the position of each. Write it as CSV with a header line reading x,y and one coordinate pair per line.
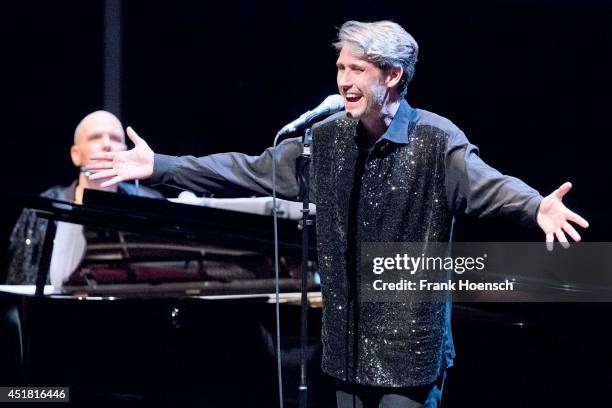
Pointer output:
x,y
528,81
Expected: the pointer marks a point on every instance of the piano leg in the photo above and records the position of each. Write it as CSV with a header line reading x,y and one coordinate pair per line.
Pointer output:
x,y
11,342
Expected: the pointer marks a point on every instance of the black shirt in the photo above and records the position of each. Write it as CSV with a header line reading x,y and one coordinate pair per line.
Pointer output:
x,y
404,188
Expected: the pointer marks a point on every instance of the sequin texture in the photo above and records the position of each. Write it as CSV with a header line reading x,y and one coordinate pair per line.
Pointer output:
x,y
392,192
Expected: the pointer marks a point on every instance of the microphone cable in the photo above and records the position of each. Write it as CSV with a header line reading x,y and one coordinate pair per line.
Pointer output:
x,y
276,275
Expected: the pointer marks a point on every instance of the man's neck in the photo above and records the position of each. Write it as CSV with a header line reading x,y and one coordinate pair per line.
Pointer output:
x,y
85,182
377,125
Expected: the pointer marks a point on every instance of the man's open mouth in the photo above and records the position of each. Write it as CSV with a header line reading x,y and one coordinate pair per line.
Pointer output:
x,y
352,97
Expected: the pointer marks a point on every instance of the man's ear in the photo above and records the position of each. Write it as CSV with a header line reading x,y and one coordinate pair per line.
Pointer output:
x,y
393,76
75,155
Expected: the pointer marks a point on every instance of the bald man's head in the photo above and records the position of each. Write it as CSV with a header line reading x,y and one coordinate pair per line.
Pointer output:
x,y
99,131
98,121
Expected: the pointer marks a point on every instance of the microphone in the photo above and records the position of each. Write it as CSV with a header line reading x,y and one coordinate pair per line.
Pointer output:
x,y
331,105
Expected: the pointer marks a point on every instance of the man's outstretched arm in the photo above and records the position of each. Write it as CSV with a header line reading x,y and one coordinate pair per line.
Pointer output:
x,y
227,174
476,189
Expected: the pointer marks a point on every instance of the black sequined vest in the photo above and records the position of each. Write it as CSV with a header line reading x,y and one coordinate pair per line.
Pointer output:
x,y
392,192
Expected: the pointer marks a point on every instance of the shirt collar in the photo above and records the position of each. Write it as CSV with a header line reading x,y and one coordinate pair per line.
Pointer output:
x,y
402,124
69,192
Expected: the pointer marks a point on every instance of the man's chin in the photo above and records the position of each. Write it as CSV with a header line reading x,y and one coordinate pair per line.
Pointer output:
x,y
354,114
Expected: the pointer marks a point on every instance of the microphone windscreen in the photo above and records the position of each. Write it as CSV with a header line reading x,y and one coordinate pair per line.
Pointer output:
x,y
334,102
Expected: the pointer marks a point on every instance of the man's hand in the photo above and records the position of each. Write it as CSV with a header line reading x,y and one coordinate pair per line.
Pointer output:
x,y
136,163
554,217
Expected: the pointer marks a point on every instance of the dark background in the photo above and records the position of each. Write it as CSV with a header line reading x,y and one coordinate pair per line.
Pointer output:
x,y
528,82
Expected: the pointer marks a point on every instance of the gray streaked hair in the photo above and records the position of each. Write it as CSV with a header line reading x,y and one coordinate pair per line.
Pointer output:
x,y
383,43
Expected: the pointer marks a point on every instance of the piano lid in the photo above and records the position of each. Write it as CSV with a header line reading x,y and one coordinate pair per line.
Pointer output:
x,y
139,245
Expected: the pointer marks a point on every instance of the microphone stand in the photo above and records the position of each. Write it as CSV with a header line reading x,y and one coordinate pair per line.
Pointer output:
x,y
330,105
306,223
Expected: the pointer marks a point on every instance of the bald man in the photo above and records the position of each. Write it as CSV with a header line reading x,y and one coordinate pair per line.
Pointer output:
x,y
99,131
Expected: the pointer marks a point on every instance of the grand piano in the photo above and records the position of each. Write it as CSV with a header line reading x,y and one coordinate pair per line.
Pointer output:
x,y
173,306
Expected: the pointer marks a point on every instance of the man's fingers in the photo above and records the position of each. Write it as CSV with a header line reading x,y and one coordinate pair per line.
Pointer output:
x,y
567,227
103,174
113,181
573,217
561,191
100,165
550,238
104,155
562,239
134,136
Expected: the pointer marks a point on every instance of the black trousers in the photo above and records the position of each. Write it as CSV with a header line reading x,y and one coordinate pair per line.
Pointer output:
x,y
360,396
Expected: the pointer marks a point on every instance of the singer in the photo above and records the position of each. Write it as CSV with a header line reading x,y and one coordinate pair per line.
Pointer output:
x,y
382,171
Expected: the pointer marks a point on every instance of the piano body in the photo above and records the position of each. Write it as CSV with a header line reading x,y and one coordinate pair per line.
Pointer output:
x,y
141,334
175,307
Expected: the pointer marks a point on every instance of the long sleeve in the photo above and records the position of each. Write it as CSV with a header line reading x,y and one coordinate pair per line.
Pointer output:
x,y
233,174
474,188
